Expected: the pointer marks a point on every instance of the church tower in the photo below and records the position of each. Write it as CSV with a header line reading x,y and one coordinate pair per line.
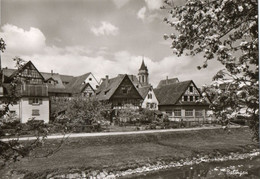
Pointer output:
x,y
143,74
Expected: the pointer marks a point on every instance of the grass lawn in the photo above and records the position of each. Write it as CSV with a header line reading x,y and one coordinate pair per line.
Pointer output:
x,y
135,150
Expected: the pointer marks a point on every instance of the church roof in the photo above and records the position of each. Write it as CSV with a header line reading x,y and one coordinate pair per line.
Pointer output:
x,y
143,66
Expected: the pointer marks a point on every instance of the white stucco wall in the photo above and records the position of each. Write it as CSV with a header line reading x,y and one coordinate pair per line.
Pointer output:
x,y
26,110
93,82
152,100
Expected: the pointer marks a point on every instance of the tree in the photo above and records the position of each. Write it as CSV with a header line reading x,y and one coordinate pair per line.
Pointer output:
x,y
227,31
86,111
13,150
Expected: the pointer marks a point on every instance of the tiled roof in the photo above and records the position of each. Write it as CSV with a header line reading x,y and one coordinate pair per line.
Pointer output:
x,y
170,94
23,67
108,88
66,78
77,84
144,90
167,82
8,72
54,76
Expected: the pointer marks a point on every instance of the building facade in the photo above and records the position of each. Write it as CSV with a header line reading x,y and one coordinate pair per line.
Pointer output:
x,y
181,101
31,92
120,91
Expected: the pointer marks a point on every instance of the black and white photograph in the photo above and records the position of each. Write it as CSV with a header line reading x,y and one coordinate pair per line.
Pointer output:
x,y
131,89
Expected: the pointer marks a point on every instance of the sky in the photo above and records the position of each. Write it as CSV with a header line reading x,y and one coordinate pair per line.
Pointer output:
x,y
105,37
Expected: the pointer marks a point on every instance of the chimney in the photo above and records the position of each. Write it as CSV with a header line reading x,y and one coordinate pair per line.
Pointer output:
x,y
167,81
51,72
106,82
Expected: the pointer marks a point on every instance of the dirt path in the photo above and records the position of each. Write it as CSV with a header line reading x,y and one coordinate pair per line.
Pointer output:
x,y
74,135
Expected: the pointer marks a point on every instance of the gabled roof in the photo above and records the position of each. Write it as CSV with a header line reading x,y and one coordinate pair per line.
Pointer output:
x,y
134,80
16,72
56,77
77,84
167,82
8,72
170,94
109,87
144,90
66,78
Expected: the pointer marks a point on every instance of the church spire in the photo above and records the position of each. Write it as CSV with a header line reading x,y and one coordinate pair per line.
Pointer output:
x,y
143,74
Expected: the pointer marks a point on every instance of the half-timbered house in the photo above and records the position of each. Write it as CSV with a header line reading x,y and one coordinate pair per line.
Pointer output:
x,y
32,93
181,101
120,91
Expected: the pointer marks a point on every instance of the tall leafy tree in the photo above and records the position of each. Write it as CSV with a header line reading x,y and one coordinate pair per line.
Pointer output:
x,y
227,31
14,149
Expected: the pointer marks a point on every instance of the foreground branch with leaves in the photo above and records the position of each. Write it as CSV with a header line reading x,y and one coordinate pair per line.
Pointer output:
x,y
227,31
13,150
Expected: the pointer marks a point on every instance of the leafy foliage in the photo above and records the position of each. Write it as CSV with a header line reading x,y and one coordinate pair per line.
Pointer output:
x,y
84,111
14,149
227,31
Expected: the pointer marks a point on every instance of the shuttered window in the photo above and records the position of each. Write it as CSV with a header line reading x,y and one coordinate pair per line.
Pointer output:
x,y
35,112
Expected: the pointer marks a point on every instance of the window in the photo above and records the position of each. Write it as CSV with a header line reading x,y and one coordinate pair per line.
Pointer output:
x,y
35,112
196,98
198,113
152,105
147,105
34,101
191,89
124,90
191,98
90,79
150,96
177,112
185,98
189,112
12,112
169,113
